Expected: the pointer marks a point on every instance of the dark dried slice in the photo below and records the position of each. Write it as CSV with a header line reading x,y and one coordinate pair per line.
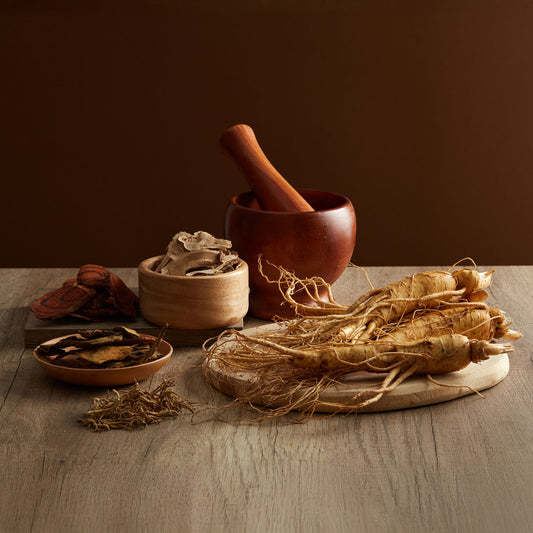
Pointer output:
x,y
125,300
94,276
70,344
62,302
96,293
101,306
127,332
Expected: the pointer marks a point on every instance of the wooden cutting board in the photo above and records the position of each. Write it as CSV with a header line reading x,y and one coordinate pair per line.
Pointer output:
x,y
37,331
413,392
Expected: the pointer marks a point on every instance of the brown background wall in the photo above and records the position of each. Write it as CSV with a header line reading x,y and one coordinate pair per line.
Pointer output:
x,y
420,111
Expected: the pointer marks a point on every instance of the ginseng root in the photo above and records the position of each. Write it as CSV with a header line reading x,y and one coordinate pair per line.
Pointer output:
x,y
476,321
380,306
434,322
289,379
432,355
430,286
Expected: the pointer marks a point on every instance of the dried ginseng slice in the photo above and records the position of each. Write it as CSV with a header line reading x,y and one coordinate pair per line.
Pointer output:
x,y
94,276
61,302
101,306
125,300
106,354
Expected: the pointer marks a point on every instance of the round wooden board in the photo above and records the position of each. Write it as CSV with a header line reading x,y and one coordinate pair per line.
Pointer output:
x,y
413,392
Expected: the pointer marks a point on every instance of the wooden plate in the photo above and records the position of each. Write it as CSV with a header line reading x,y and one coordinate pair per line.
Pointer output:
x,y
413,392
105,377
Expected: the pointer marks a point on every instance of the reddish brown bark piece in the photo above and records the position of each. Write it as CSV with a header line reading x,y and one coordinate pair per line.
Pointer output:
x,y
62,302
95,293
125,300
94,276
101,306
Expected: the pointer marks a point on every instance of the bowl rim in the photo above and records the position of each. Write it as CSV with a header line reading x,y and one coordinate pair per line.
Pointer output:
x,y
346,203
44,362
143,267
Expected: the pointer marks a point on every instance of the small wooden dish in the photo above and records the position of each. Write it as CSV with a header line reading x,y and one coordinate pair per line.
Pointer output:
x,y
193,302
105,377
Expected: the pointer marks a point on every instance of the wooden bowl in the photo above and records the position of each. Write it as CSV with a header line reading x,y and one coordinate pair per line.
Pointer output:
x,y
193,302
104,377
318,243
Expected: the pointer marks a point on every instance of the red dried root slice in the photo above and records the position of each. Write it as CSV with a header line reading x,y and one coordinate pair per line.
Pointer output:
x,y
122,298
62,302
115,298
125,300
94,276
95,293
101,306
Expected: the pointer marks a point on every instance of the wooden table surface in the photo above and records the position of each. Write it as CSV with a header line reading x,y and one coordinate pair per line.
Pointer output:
x,y
463,465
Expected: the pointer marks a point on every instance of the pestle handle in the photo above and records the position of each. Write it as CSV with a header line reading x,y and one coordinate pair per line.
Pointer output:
x,y
273,191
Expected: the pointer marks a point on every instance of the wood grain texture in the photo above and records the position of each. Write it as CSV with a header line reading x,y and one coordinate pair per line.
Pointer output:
x,y
463,465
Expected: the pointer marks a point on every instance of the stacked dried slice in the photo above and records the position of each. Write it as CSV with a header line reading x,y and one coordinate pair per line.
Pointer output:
x,y
96,293
197,254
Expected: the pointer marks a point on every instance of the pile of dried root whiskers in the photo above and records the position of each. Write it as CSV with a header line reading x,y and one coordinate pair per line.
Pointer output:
x,y
135,408
430,323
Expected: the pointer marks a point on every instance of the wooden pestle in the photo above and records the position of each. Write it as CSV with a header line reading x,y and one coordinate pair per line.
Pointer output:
x,y
273,191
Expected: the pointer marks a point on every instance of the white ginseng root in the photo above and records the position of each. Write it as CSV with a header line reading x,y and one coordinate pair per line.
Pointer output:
x,y
430,323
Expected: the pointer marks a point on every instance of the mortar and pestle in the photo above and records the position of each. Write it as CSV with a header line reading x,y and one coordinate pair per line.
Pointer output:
x,y
308,232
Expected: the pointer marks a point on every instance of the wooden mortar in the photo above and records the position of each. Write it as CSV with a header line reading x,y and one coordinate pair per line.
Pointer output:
x,y
314,243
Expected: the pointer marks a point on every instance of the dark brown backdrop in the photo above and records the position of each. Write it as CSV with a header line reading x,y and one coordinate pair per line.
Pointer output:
x,y
420,111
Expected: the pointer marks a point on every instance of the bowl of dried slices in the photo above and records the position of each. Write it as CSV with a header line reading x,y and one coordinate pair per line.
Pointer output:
x,y
200,283
103,358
